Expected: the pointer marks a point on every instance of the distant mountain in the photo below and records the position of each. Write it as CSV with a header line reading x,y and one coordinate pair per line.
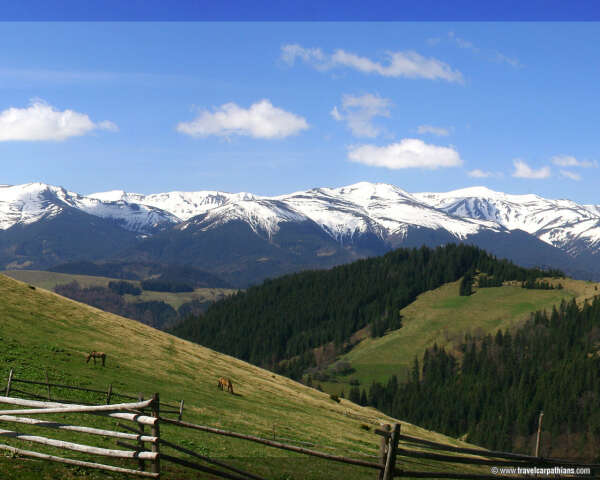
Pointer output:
x,y
564,224
143,271
245,238
32,202
183,205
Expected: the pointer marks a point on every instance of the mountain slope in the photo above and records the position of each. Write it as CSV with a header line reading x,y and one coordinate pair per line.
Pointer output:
x,y
443,317
32,202
279,323
564,224
65,235
184,205
43,331
316,228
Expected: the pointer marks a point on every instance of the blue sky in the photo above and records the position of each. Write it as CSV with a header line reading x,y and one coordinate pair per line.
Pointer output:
x,y
276,107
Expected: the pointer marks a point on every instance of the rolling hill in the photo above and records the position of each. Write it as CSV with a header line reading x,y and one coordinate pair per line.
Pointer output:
x,y
281,323
41,331
443,317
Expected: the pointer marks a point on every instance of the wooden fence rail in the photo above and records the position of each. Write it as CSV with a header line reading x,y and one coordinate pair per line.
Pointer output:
x,y
271,443
79,429
112,410
143,446
487,454
79,463
108,393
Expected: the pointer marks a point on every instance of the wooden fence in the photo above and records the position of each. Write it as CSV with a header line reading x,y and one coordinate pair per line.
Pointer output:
x,y
393,446
122,411
109,394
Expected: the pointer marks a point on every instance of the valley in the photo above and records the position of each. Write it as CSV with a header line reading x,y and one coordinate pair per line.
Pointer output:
x,y
50,280
43,332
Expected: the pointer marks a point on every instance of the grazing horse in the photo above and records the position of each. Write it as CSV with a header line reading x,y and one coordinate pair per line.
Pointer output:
x,y
95,355
225,383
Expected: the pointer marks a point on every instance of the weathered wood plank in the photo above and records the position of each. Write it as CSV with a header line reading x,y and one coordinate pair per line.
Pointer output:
x,y
132,417
488,453
283,446
76,428
155,405
80,463
201,468
209,460
390,463
52,407
77,447
383,448
8,384
539,435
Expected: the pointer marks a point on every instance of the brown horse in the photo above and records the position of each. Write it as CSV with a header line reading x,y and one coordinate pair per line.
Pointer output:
x,y
95,355
225,383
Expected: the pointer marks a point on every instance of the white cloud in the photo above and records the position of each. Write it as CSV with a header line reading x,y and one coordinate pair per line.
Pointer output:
x,y
358,113
41,121
501,58
289,53
522,170
462,43
408,153
570,161
439,131
108,125
477,173
490,55
571,175
260,120
407,64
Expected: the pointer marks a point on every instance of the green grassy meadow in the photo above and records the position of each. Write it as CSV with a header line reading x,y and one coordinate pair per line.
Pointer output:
x,y
42,332
49,280
442,316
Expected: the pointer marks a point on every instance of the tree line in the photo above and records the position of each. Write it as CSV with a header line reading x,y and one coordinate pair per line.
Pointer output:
x,y
156,313
495,387
278,324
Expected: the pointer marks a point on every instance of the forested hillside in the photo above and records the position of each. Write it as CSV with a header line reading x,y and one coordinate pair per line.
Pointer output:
x,y
286,318
495,394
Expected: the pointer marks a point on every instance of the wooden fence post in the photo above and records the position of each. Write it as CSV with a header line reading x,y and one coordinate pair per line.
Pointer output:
x,y
141,463
48,385
180,410
10,375
383,450
539,435
109,393
390,462
156,433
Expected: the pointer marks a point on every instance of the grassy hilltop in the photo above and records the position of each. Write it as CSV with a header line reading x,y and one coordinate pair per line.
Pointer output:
x,y
43,331
442,316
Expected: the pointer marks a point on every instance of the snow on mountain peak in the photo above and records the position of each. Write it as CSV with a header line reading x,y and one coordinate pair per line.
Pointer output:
x,y
342,212
28,203
262,215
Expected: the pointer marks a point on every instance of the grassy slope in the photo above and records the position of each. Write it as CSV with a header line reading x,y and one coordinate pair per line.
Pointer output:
x,y
442,316
49,280
41,330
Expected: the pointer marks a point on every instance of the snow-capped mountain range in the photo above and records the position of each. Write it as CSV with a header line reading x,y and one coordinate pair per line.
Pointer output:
x,y
381,209
32,202
344,215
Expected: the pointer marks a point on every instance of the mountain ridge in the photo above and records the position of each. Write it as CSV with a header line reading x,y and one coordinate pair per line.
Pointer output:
x,y
315,228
